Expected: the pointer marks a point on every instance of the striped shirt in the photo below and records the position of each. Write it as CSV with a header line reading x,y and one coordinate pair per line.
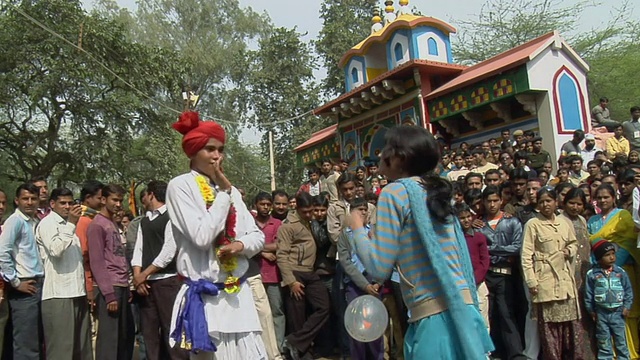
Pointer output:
x,y
396,242
19,255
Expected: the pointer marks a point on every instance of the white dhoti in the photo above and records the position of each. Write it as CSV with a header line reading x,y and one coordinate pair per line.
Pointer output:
x,y
233,325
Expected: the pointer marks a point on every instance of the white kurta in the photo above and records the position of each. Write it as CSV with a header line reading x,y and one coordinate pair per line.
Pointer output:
x,y
195,229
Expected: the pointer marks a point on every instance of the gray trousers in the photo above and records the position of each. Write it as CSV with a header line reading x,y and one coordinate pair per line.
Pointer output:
x,y
25,316
610,124
274,294
67,328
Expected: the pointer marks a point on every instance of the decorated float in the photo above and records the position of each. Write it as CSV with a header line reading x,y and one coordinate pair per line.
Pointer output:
x,y
405,73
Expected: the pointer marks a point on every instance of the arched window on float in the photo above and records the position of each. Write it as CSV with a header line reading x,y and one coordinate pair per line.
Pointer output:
x,y
355,77
398,52
569,102
432,45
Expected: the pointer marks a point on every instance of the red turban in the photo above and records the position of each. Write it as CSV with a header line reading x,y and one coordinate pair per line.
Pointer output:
x,y
197,133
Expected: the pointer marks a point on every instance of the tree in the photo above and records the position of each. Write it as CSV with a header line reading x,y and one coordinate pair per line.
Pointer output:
x,y
62,113
505,24
282,84
213,37
344,24
612,71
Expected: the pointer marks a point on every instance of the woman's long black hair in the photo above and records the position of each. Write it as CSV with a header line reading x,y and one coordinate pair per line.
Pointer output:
x,y
420,154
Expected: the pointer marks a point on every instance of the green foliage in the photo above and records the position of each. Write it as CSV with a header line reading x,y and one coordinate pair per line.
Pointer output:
x,y
612,71
282,84
505,24
345,24
213,37
63,115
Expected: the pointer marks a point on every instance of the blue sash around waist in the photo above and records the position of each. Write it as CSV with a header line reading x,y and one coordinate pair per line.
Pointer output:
x,y
191,331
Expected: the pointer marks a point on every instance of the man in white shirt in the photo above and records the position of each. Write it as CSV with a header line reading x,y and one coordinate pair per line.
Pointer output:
x,y
65,311
577,176
155,274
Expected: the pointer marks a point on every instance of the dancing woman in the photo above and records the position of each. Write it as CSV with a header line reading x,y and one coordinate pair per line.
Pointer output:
x,y
417,233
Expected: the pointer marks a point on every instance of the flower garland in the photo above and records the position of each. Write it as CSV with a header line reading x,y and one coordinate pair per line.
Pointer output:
x,y
229,265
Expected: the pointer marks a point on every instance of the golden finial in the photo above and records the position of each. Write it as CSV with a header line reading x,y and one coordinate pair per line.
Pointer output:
x,y
404,2
377,20
376,15
390,15
389,6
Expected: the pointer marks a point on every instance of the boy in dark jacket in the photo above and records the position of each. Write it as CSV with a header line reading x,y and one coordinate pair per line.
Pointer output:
x,y
608,299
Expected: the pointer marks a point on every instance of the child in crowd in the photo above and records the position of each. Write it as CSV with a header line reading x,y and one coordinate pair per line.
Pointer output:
x,y
479,254
375,185
608,298
561,177
506,193
383,181
473,198
458,196
357,282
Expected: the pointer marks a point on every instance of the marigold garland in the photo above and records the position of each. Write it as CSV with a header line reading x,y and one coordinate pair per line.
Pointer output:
x,y
205,189
232,283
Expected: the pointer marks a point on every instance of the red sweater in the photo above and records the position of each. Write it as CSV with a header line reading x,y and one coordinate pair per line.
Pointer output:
x,y
479,253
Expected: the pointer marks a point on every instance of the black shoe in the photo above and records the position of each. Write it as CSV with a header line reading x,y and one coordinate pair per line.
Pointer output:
x,y
293,352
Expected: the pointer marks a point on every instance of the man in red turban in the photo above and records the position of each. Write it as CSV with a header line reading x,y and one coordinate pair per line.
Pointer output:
x,y
202,206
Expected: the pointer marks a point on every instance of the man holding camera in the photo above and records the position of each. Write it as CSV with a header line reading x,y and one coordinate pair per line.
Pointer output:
x,y
65,311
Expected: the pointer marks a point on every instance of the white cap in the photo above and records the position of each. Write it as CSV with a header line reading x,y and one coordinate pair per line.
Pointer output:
x,y
589,137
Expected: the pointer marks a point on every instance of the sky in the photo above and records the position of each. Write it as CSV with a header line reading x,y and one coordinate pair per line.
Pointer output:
x,y
304,14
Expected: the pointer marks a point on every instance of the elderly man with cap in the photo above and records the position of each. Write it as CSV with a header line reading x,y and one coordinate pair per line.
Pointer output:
x,y
518,137
590,149
214,315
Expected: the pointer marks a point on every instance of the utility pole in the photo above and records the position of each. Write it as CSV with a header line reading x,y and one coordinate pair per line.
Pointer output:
x,y
272,162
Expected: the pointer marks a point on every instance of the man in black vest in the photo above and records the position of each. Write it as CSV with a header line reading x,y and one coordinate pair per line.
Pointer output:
x,y
155,275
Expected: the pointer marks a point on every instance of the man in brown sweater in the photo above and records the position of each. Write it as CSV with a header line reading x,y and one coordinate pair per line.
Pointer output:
x,y
296,256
